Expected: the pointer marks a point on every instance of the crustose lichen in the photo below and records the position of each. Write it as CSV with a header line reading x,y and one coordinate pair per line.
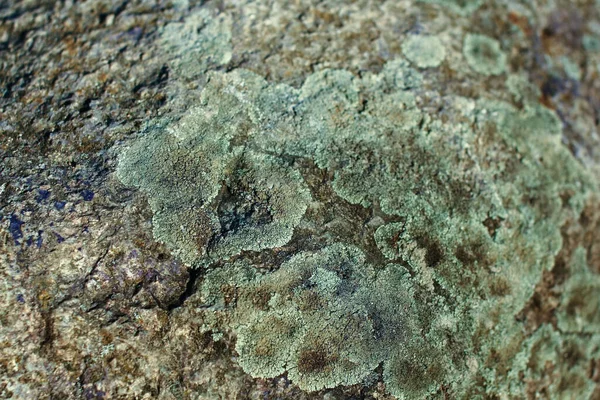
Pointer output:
x,y
359,229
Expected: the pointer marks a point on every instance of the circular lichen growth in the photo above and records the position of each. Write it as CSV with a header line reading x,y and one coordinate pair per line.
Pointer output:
x,y
347,226
424,51
330,318
484,55
259,207
212,196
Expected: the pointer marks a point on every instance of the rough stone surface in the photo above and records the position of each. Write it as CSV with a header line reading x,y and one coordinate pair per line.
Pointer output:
x,y
332,115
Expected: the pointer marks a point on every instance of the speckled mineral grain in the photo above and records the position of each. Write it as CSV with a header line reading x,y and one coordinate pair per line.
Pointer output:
x,y
300,200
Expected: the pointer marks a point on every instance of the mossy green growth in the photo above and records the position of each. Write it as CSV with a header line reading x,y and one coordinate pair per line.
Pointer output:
x,y
424,51
484,55
358,227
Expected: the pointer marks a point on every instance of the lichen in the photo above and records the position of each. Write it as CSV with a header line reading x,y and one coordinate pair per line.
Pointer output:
x,y
325,317
424,51
522,89
462,7
576,313
346,225
199,42
591,43
547,348
211,196
484,55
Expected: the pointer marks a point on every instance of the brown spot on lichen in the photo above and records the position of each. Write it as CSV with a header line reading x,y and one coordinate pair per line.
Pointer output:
x,y
229,294
571,354
202,231
575,232
521,22
594,370
499,287
541,306
434,251
590,220
309,300
263,347
492,225
546,297
473,253
316,359
260,298
106,337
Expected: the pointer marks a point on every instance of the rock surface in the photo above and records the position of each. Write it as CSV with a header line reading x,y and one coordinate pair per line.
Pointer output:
x,y
103,296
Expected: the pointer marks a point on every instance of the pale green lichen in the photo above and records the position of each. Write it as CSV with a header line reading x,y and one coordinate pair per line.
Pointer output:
x,y
548,348
463,7
197,43
522,89
577,314
571,69
338,317
276,190
213,197
424,51
484,55
591,43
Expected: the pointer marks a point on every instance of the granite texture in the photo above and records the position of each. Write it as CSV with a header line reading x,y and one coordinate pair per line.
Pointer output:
x,y
105,294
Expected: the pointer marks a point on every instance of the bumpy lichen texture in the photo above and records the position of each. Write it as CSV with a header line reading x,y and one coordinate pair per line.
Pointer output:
x,y
459,6
484,54
576,313
344,225
212,196
197,43
327,308
424,51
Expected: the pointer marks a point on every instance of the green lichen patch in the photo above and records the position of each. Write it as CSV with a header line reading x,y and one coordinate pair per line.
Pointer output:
x,y
199,42
261,204
463,7
576,313
327,317
212,197
424,51
347,225
522,89
484,55
567,355
591,43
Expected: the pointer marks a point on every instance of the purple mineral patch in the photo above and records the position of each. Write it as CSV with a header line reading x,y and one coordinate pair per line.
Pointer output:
x,y
15,228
